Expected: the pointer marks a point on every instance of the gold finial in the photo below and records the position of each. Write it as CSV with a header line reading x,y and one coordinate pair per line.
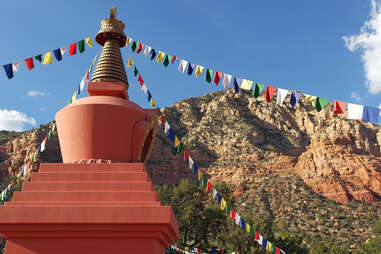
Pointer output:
x,y
113,12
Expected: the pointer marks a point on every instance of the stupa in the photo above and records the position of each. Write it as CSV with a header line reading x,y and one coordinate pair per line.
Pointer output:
x,y
100,199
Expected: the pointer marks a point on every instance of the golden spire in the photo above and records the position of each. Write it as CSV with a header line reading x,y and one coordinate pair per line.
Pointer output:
x,y
110,65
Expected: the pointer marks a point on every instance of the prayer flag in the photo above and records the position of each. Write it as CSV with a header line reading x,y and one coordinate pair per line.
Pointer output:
x,y
160,57
43,144
232,214
177,141
16,66
277,250
166,60
82,84
190,162
140,48
29,63
199,175
141,82
174,58
182,65
153,54
371,114
186,155
226,80
81,46
340,107
282,94
89,42
57,54
145,90
38,58
320,103
134,45
195,168
208,187
73,49
251,233
162,119
171,135
236,83
128,41
166,127
258,90
48,58
242,223
95,59
8,70
237,219
149,96
269,246
222,204
217,77
147,49
256,236
310,98
219,198
295,96
204,181
246,84
209,74
270,90
264,243
135,71
248,228
86,77
228,208
214,193
63,50
180,148
190,68
153,103
130,62
199,70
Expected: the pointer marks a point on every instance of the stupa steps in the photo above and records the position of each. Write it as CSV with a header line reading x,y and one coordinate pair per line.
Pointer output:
x,y
86,196
92,167
90,177
87,186
82,203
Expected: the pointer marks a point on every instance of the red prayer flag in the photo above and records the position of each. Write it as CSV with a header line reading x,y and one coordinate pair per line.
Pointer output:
x,y
140,48
141,80
208,187
270,90
340,107
217,77
277,250
256,235
222,251
86,77
174,58
162,119
29,63
232,214
186,155
73,49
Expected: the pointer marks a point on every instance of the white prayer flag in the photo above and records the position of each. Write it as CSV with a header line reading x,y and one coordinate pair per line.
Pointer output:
x,y
237,219
166,127
214,193
144,88
246,84
282,94
63,50
43,145
16,66
147,49
82,84
260,240
182,65
355,111
226,81
190,162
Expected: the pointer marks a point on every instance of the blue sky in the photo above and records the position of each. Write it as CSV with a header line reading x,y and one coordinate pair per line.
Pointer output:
x,y
289,44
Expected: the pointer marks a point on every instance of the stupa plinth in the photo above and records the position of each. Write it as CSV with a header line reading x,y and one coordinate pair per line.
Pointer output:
x,y
100,199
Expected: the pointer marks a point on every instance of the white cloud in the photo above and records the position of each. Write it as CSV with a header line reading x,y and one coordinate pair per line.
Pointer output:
x,y
43,109
356,96
35,93
369,42
14,120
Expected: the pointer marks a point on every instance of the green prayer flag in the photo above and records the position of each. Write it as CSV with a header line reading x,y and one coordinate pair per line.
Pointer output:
x,y
167,60
204,181
273,248
258,90
38,58
180,148
49,134
251,234
209,74
135,71
320,103
81,46
228,209
134,45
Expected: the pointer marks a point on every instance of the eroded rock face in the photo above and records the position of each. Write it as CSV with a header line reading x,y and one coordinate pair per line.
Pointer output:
x,y
241,140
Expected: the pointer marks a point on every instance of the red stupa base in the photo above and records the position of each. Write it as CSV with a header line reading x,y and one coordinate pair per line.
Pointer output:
x,y
87,208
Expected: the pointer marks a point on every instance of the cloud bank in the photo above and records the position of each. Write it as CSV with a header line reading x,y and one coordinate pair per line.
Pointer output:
x,y
35,93
12,120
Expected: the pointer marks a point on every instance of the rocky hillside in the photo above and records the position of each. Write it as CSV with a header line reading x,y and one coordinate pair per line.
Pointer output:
x,y
294,164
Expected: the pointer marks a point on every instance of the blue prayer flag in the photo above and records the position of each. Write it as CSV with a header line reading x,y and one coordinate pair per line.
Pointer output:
x,y
295,96
264,243
213,251
219,198
242,223
149,96
153,54
236,82
171,135
371,114
8,70
195,168
190,68
57,54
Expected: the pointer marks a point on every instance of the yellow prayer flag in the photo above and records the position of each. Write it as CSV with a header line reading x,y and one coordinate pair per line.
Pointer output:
x,y
74,97
153,103
128,41
269,246
199,70
89,42
248,227
186,248
310,98
160,57
95,59
130,62
246,84
177,141
223,204
48,59
200,174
